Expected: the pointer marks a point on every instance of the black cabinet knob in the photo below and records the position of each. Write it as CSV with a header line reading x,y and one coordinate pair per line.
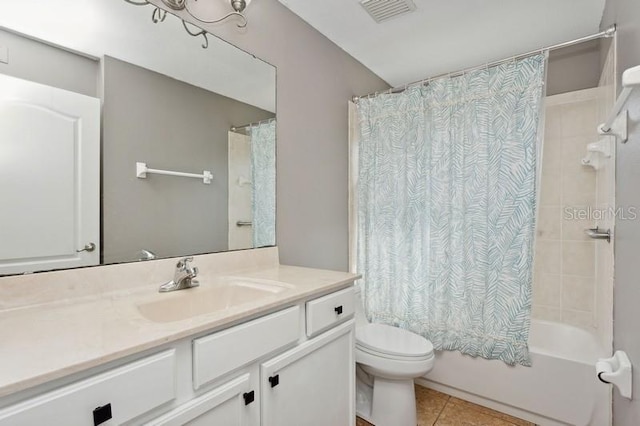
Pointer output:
x,y
274,380
249,397
102,414
338,310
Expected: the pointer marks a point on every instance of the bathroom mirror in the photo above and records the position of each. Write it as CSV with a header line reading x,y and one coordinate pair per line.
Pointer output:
x,y
124,140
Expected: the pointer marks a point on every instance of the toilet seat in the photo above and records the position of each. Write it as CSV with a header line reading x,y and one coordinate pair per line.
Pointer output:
x,y
389,357
392,343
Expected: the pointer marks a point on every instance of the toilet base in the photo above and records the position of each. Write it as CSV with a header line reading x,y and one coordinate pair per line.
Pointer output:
x,y
387,402
394,403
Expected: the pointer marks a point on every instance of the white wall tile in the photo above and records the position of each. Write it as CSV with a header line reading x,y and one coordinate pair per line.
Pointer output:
x,y
551,190
548,257
547,313
553,122
547,290
578,258
549,223
578,293
579,319
578,119
552,155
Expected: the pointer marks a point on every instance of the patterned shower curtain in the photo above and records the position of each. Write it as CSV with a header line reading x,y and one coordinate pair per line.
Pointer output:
x,y
263,169
446,208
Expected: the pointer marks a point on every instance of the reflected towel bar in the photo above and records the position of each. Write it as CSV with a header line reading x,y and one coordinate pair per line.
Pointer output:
x,y
142,170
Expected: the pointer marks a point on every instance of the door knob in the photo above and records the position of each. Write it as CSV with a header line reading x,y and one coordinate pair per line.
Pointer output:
x,y
89,247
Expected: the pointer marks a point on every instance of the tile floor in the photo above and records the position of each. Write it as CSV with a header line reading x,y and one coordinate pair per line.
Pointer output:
x,y
439,409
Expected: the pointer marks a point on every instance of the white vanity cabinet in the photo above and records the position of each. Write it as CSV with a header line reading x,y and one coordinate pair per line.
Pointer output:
x,y
292,367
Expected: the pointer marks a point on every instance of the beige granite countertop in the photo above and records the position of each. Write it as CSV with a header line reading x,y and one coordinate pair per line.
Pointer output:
x,y
44,337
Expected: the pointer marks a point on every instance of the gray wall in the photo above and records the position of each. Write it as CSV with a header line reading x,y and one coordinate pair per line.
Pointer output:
x,y
315,81
39,62
626,13
574,68
171,125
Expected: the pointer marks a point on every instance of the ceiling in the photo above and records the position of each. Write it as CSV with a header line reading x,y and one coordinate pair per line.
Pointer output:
x,y
448,35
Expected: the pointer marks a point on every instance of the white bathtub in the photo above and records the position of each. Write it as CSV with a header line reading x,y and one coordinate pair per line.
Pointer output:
x,y
560,388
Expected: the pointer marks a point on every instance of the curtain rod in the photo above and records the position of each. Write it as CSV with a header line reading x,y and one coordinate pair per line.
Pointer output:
x,y
234,128
608,33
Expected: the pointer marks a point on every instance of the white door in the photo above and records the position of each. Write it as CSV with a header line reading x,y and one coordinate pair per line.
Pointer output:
x,y
240,192
312,384
49,177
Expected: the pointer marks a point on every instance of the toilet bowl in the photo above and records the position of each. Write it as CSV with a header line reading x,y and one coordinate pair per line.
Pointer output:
x,y
388,360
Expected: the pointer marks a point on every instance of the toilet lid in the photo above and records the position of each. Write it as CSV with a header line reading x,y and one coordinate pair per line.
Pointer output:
x,y
392,341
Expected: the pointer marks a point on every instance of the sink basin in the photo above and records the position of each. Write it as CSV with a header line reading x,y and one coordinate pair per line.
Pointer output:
x,y
226,293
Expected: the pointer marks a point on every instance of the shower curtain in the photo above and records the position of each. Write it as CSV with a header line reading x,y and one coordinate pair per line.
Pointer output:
x,y
446,208
263,169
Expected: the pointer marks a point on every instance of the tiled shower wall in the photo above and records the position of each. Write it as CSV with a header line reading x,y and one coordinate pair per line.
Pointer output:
x,y
568,287
564,266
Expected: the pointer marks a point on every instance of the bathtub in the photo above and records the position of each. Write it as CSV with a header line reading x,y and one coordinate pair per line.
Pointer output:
x,y
560,388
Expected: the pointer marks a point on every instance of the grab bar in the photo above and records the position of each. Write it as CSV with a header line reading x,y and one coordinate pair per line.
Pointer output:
x,y
598,234
243,223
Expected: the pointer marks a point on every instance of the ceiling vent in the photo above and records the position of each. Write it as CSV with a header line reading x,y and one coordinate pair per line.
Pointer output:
x,y
383,10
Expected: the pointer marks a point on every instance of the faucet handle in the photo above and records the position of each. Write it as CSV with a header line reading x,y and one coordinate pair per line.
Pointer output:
x,y
194,272
184,262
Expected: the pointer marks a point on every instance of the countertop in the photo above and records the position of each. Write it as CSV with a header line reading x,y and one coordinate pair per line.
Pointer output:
x,y
47,341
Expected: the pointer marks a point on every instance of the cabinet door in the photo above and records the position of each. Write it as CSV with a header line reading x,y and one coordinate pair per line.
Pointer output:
x,y
227,405
313,384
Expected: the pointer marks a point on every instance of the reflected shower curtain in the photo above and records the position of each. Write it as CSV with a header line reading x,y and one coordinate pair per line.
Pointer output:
x,y
446,208
263,169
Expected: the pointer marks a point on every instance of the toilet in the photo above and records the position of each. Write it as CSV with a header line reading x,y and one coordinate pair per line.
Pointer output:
x,y
388,360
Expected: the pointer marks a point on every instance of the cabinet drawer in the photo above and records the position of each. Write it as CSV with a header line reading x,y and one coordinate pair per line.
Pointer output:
x,y
132,390
329,310
223,352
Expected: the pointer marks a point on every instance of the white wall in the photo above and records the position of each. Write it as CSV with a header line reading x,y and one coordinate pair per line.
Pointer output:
x,y
626,14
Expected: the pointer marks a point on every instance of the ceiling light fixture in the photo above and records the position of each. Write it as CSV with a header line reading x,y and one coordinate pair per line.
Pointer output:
x,y
159,15
238,7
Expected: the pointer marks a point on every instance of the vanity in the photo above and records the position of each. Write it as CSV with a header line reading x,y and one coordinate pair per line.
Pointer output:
x,y
256,343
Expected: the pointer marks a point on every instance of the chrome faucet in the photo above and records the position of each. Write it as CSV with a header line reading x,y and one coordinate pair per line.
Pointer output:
x,y
184,277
